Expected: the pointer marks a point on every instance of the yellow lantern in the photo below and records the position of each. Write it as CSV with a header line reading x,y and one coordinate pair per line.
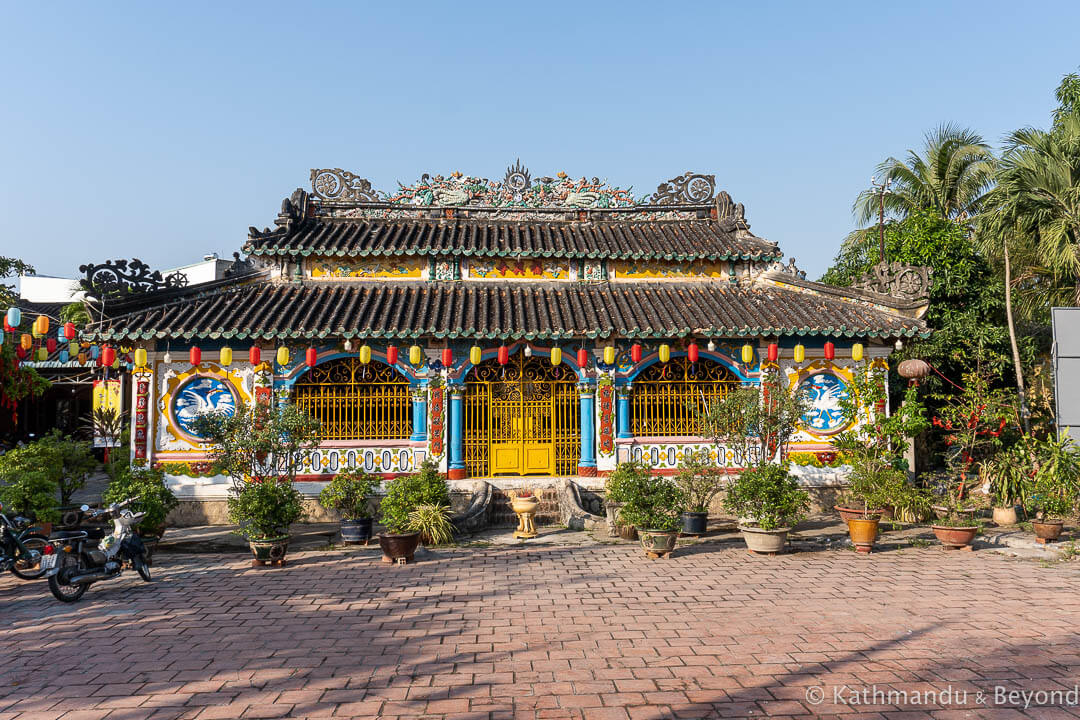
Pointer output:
x,y
747,353
609,355
43,324
26,341
116,363
857,352
283,355
556,355
82,358
140,357
42,354
226,356
475,354
416,354
365,354
800,353
665,353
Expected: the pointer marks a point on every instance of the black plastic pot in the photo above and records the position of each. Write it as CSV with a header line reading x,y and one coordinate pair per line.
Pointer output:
x,y
694,523
356,531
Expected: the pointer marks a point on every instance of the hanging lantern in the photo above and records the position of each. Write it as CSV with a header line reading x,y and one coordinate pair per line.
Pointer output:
x,y
254,355
800,353
747,353
609,355
527,351
311,357
416,354
95,352
830,351
283,356
857,352
14,317
583,358
635,353
108,356
365,354
664,353
42,354
711,346
504,354
692,352
447,357
65,356
1,339
115,363
50,345
475,354
194,356
226,356
166,358
26,341
7,326
774,352
20,352
140,357
82,358
556,355
69,331
391,354
43,324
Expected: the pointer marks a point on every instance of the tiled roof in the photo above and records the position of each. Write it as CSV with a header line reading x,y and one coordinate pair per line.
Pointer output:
x,y
617,239
405,309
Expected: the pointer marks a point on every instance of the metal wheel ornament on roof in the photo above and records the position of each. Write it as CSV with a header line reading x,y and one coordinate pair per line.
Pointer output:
x,y
690,188
907,282
120,278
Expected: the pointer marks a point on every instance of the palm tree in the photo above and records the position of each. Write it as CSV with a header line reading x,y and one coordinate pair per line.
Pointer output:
x,y
950,178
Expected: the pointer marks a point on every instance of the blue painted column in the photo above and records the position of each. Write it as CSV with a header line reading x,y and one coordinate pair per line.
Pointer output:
x,y
456,458
622,416
419,414
587,462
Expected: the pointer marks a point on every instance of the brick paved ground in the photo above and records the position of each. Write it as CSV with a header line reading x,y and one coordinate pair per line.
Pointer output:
x,y
579,632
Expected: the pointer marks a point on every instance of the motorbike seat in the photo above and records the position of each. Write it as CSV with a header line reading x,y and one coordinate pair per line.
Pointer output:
x,y
92,533
68,534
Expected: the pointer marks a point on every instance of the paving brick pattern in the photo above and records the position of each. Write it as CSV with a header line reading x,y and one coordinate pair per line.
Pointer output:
x,y
582,633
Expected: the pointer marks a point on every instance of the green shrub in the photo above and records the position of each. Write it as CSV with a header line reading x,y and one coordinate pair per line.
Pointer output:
x,y
265,509
153,496
652,502
29,481
405,494
350,493
1057,480
767,496
699,480
624,478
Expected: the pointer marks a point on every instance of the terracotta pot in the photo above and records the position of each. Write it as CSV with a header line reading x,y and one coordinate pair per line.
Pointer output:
x,y
850,513
695,523
863,532
955,537
657,543
1047,530
1005,515
764,541
395,547
269,550
356,531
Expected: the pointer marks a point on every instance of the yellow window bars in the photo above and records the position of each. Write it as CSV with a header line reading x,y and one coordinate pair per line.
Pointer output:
x,y
665,395
356,401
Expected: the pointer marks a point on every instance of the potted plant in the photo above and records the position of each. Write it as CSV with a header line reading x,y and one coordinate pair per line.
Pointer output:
x,y
433,523
700,481
1056,487
617,487
957,529
350,493
261,448
524,504
651,503
403,496
1010,474
758,423
152,497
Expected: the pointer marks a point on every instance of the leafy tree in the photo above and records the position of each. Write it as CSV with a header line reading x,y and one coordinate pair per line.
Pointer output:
x,y
75,461
16,382
28,481
75,312
11,267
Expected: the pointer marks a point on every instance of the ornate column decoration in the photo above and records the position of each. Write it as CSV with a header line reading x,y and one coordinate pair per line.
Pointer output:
x,y
456,467
142,408
623,414
419,414
587,460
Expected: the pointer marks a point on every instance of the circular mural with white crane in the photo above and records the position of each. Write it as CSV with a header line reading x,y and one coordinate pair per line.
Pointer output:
x,y
825,391
199,395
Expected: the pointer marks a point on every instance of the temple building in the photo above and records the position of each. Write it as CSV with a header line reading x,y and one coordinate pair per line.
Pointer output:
x,y
504,329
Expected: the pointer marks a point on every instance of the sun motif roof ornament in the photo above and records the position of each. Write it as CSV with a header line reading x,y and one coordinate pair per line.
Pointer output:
x,y
905,282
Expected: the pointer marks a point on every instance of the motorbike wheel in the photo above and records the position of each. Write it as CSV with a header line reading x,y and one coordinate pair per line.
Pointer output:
x,y
142,568
58,586
28,567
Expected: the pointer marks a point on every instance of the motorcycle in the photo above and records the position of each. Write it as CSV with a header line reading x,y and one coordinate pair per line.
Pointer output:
x,y
21,549
76,559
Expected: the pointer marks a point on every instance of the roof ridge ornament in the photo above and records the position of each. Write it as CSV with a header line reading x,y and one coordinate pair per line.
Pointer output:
x,y
115,279
338,184
690,188
898,280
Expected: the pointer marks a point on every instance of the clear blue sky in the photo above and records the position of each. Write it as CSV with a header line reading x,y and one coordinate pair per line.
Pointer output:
x,y
163,130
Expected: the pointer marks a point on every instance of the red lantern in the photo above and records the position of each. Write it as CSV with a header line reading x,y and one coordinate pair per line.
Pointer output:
x,y
635,353
69,331
108,356
692,352
391,354
447,357
830,351
50,345
8,328
311,357
255,355
582,358
20,353
194,355
504,354
774,352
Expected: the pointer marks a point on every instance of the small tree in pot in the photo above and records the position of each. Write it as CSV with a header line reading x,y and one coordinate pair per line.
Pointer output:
x,y
1056,487
700,481
758,422
617,488
651,503
350,493
404,496
1010,473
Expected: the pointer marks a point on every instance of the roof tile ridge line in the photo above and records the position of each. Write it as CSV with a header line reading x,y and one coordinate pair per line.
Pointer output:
x,y
177,300
848,296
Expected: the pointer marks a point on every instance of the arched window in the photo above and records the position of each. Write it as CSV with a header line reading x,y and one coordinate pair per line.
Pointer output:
x,y
356,401
665,395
